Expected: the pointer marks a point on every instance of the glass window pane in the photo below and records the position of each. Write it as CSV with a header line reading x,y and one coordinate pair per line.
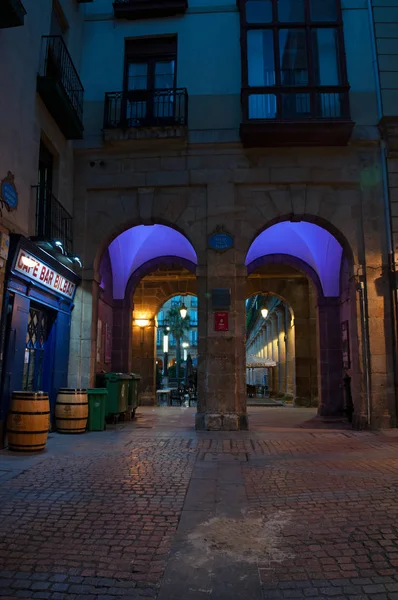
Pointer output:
x,y
262,106
323,10
325,57
137,76
260,57
296,106
329,105
293,57
259,11
291,11
164,74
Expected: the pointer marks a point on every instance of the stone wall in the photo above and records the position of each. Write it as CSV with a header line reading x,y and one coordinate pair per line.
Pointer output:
x,y
195,189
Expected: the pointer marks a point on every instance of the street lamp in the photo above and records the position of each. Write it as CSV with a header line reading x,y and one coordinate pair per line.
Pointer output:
x,y
185,345
165,351
264,313
183,310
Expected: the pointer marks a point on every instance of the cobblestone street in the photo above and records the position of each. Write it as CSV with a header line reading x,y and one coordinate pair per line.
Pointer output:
x,y
152,509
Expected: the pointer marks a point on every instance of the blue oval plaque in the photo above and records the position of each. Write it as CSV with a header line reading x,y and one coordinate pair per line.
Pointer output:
x,y
9,194
221,241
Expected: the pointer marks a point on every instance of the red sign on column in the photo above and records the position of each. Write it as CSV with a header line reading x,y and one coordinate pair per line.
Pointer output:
x,y
221,321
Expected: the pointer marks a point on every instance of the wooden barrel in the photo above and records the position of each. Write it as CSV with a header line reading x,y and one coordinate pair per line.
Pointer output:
x,y
28,421
71,411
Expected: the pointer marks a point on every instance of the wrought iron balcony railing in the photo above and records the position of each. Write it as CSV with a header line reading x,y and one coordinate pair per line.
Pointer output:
x,y
146,108
53,222
60,87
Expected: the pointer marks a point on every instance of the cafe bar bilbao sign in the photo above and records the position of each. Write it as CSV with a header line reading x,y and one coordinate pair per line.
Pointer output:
x,y
31,267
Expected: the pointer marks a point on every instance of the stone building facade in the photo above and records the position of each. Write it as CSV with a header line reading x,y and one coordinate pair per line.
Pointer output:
x,y
237,165
40,115
283,158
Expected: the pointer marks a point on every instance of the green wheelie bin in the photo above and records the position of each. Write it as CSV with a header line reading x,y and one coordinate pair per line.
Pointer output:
x,y
133,393
117,385
97,400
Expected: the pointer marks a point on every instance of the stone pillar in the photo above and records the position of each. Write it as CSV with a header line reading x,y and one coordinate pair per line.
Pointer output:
x,y
282,349
83,340
290,354
144,359
275,351
269,339
221,363
303,361
329,358
121,337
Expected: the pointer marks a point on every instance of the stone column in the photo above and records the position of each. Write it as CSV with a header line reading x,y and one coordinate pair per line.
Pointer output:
x,y
221,364
269,339
144,359
290,355
275,351
121,337
83,340
282,349
329,358
303,361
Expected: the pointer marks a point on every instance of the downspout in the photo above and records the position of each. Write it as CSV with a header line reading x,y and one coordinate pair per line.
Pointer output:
x,y
386,191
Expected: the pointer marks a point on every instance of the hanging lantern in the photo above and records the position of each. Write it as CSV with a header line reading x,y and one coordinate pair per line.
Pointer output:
x,y
264,313
183,311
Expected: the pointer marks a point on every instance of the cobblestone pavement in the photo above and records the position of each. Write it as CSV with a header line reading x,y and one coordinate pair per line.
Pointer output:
x,y
151,509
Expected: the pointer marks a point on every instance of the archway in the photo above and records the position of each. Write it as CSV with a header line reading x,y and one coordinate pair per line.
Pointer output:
x,y
311,268
176,340
141,268
270,349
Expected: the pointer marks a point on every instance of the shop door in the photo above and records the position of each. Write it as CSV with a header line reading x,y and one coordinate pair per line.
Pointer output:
x,y
36,349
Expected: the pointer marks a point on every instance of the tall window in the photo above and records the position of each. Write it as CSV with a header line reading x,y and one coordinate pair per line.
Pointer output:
x,y
293,59
150,79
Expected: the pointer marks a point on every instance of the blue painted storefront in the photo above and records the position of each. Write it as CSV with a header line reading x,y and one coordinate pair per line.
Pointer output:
x,y
23,292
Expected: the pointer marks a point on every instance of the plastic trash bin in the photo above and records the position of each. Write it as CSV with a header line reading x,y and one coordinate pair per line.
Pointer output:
x,y
97,399
117,385
133,392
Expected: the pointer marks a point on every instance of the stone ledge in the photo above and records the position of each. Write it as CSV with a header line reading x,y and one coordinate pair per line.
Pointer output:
x,y
221,422
144,133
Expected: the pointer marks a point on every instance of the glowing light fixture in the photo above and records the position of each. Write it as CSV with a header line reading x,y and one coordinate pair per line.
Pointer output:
x,y
264,313
28,262
165,343
185,345
142,322
183,311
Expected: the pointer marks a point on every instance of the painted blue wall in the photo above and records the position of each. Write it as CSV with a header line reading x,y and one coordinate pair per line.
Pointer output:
x,y
208,62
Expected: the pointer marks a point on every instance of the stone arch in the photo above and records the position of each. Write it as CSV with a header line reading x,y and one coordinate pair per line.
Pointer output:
x,y
117,230
149,267
318,254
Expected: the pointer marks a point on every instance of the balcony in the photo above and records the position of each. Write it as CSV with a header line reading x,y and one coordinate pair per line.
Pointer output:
x,y
12,13
53,222
60,87
141,114
148,9
277,116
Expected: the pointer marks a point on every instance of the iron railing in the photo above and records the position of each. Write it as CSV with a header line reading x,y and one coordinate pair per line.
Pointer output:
x,y
56,63
146,108
53,222
281,103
